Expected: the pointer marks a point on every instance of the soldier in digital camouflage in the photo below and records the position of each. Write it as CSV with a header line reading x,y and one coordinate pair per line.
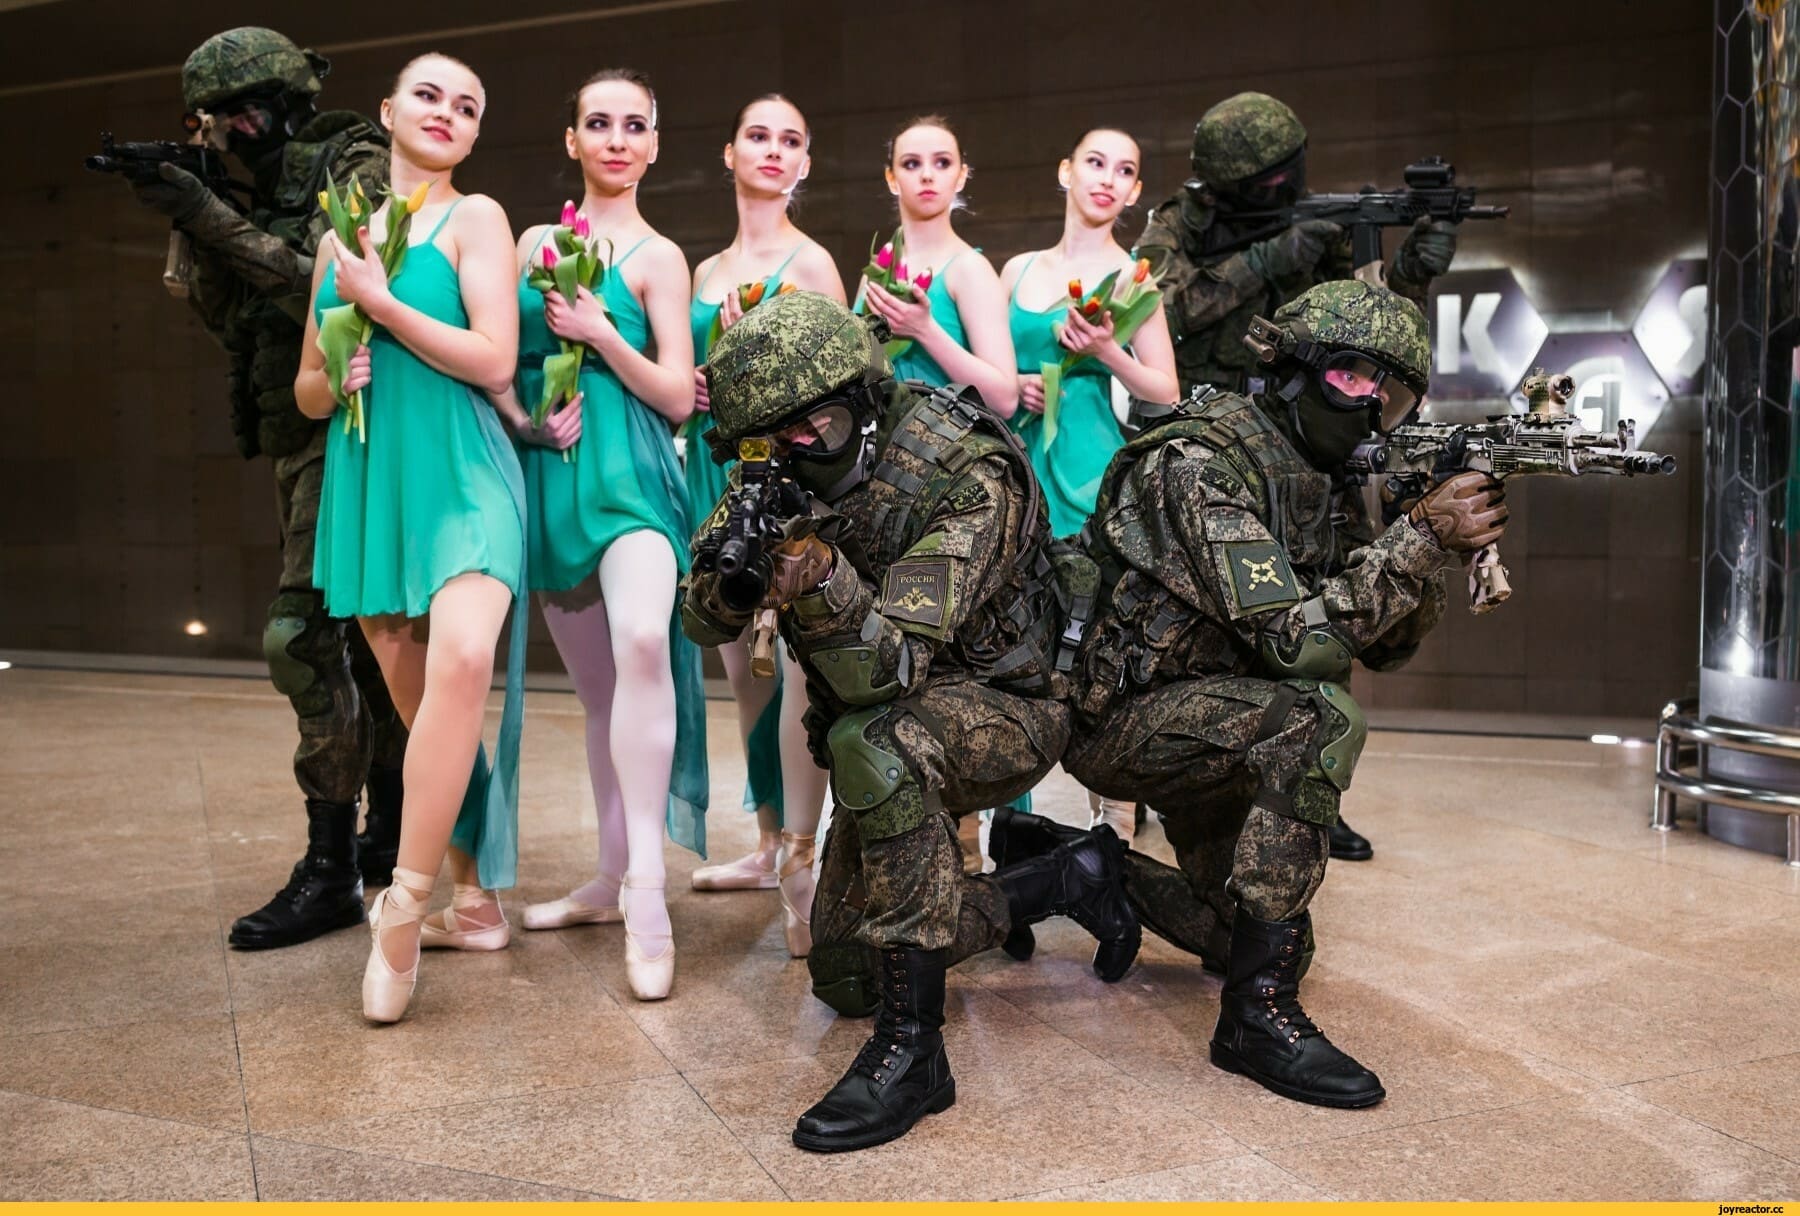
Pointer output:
x,y
921,598
1240,577
1219,264
252,275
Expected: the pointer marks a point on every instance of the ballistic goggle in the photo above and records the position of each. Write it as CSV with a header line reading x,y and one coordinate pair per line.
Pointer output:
x,y
1349,380
824,432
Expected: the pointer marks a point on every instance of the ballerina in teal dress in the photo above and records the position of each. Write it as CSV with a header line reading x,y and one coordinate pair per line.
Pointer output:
x,y
954,330
609,529
421,532
1100,179
767,158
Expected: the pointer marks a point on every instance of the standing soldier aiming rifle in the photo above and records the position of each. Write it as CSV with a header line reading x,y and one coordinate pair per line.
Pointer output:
x,y
252,269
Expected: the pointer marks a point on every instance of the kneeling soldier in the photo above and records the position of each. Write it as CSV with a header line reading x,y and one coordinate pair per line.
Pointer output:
x,y
913,577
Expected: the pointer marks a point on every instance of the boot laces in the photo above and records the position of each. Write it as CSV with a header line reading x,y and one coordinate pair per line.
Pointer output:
x,y
1280,996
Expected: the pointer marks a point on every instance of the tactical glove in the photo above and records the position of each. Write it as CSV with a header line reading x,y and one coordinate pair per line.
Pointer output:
x,y
173,192
1463,513
798,567
1426,251
1294,251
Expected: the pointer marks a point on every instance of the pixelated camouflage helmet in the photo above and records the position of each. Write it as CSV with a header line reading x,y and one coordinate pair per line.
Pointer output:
x,y
1243,136
1349,314
248,60
784,355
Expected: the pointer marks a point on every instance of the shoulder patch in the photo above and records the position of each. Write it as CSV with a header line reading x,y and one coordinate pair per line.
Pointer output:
x,y
971,495
1259,576
919,592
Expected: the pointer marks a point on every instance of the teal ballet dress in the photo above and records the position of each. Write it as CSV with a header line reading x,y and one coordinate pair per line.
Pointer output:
x,y
436,491
914,363
622,476
1087,433
705,487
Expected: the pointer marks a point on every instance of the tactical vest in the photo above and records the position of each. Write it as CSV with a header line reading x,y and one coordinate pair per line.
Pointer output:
x,y
260,338
1145,634
1019,639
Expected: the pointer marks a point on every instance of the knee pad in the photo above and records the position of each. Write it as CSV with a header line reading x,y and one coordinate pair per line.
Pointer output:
x,y
1342,732
298,644
870,779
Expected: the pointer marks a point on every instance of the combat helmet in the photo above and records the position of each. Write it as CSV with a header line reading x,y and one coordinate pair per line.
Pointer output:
x,y
247,61
1339,333
1242,136
803,366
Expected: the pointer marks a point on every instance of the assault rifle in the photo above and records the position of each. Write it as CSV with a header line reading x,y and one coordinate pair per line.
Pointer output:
x,y
1546,440
1430,190
757,508
142,162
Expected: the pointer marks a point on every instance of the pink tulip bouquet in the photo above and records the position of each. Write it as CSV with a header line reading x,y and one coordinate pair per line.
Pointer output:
x,y
887,270
568,259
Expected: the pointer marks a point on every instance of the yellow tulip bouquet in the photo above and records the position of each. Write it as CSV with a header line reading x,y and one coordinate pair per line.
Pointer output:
x,y
344,328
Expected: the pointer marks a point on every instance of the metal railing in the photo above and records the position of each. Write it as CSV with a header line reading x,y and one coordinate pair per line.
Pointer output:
x,y
1680,727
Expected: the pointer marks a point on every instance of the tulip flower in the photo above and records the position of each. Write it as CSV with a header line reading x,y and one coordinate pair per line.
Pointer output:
x,y
784,289
1129,298
346,327
887,272
923,282
570,260
885,258
752,295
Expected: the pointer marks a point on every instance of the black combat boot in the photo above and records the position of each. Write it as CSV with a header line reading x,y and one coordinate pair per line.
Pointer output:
x,y
901,1074
1348,844
378,846
1263,1033
1084,881
322,894
1016,836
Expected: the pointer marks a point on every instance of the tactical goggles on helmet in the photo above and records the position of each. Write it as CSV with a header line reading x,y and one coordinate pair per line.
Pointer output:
x,y
1277,186
1348,379
824,432
1351,380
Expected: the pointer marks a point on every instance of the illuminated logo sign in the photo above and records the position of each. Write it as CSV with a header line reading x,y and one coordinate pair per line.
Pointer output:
x,y
1671,327
1613,380
1484,334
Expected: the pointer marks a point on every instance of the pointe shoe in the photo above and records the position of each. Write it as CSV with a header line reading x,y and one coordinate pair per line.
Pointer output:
x,y
755,871
561,913
968,837
477,937
796,861
650,976
386,992
1121,817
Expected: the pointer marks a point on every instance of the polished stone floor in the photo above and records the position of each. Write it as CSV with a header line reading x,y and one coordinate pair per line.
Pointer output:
x,y
1561,1003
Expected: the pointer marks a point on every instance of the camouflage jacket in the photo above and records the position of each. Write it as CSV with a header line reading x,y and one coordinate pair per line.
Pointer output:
x,y
253,276
1216,538
942,568
1210,290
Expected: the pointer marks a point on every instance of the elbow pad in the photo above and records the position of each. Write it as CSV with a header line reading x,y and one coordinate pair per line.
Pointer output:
x,y
1318,654
855,670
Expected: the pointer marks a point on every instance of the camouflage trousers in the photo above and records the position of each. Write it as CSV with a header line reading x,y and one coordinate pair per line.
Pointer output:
x,y
1228,761
964,746
323,665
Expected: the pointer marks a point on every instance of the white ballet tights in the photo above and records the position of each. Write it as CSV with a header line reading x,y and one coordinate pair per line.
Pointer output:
x,y
803,783
616,650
